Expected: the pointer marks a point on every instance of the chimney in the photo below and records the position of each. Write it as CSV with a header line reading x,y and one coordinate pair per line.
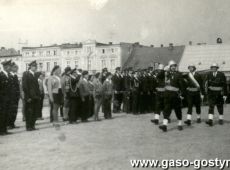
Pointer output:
x,y
151,45
190,42
162,45
41,45
171,46
137,43
110,43
219,41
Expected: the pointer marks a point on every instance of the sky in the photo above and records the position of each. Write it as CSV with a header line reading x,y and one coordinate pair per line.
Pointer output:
x,y
146,21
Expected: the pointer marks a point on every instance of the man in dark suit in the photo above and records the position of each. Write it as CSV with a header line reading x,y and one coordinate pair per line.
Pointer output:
x,y
14,95
4,97
117,87
31,90
84,94
195,93
217,93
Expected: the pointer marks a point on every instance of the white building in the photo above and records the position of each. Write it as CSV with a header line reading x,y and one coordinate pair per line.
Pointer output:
x,y
89,55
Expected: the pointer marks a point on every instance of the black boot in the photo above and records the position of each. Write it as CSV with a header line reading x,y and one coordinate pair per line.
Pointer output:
x,y
180,127
209,122
163,128
155,121
198,120
221,122
188,122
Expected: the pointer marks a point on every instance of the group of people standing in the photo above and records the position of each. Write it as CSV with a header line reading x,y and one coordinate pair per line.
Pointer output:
x,y
79,95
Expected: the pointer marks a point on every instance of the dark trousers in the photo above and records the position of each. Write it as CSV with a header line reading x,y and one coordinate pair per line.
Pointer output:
x,y
127,102
75,109
30,113
159,102
106,102
91,106
85,108
13,112
193,99
51,111
135,102
144,102
215,99
172,102
4,112
118,98
40,106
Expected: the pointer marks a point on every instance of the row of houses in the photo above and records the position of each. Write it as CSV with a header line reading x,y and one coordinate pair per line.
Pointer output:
x,y
93,56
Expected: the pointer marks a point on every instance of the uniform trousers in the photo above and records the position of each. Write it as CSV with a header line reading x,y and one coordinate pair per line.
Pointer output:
x,y
4,112
30,113
172,101
193,99
215,98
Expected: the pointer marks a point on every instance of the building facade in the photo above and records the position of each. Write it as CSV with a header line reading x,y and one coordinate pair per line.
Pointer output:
x,y
89,55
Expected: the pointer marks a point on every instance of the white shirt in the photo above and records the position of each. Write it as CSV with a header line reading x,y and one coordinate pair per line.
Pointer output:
x,y
12,73
214,74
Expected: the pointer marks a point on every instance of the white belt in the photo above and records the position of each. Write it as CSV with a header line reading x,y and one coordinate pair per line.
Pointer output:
x,y
215,88
171,88
192,89
160,89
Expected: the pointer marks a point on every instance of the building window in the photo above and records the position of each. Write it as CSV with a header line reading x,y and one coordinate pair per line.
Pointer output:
x,y
41,65
47,52
27,66
103,51
76,52
48,66
89,65
89,49
40,53
33,53
112,50
76,63
103,64
27,53
68,63
55,63
55,52
67,52
112,63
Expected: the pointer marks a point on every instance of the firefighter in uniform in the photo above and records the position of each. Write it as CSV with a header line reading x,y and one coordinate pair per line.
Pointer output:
x,y
174,91
135,93
4,97
14,96
195,93
117,83
160,89
31,90
217,93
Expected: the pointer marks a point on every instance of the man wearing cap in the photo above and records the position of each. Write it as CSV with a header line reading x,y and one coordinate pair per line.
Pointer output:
x,y
4,97
65,81
84,94
31,90
160,89
14,95
174,90
195,93
117,87
217,93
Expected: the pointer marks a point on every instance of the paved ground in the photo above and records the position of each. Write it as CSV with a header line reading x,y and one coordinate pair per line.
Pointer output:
x,y
110,144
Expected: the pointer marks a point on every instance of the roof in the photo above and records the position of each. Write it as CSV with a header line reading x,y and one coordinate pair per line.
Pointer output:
x,y
143,57
202,56
11,52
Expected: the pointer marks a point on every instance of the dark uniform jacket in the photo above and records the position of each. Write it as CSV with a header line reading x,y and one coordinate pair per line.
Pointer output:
x,y
198,77
84,89
15,89
30,86
218,81
4,87
175,79
117,82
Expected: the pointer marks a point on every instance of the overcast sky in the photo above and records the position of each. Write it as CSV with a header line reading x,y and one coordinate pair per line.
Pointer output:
x,y
146,21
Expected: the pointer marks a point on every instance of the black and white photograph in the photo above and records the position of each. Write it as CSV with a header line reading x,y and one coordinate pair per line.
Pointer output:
x,y
114,84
